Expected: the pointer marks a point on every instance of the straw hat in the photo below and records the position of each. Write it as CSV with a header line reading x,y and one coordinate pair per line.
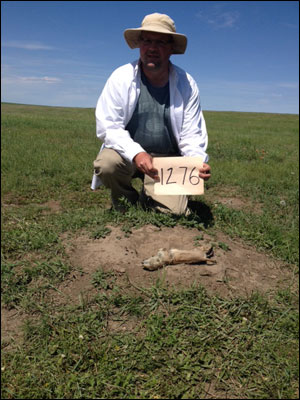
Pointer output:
x,y
156,22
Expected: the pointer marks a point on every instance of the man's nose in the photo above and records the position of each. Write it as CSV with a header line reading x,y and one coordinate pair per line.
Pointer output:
x,y
153,43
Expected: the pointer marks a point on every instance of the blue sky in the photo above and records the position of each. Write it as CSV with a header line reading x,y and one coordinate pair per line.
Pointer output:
x,y
244,55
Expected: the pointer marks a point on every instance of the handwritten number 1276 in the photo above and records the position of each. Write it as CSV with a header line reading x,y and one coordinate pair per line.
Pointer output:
x,y
193,179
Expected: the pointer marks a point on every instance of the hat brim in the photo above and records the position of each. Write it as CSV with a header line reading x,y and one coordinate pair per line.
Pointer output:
x,y
132,38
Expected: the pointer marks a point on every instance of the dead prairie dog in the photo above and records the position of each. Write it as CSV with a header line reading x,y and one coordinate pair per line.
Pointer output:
x,y
176,256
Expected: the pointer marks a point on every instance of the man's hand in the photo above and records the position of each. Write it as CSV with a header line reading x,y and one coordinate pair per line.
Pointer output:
x,y
143,162
204,172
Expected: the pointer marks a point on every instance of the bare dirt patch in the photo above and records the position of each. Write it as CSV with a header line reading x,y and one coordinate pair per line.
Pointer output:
x,y
52,206
239,269
11,322
230,198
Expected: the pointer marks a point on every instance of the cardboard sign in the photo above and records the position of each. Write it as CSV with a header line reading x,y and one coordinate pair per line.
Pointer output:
x,y
178,175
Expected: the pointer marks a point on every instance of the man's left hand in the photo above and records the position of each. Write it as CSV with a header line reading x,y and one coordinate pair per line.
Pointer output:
x,y
204,172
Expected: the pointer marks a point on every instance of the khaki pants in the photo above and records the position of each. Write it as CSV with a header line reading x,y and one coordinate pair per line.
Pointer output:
x,y
117,174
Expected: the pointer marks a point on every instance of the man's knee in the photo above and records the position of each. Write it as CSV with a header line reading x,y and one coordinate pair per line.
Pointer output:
x,y
110,164
106,163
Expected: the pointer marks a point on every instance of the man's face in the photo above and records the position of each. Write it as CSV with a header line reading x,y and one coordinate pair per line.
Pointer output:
x,y
155,50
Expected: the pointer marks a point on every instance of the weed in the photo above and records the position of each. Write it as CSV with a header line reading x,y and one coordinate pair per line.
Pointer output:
x,y
101,232
99,279
224,246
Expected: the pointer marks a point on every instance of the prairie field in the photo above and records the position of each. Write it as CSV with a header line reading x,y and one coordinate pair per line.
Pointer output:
x,y
80,316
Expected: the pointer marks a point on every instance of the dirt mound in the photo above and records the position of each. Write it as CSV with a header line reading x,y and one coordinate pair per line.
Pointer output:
x,y
239,269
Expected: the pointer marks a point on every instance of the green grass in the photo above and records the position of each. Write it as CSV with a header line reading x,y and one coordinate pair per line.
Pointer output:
x,y
176,343
256,156
181,343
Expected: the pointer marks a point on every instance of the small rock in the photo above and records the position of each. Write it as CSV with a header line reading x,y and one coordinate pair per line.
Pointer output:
x,y
120,270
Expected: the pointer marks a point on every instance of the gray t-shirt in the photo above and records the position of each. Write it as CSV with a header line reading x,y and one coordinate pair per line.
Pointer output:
x,y
150,124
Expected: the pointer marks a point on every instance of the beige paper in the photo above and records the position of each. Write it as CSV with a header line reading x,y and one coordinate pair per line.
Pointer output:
x,y
178,175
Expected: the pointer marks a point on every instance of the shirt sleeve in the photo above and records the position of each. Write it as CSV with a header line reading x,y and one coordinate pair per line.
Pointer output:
x,y
193,135
111,118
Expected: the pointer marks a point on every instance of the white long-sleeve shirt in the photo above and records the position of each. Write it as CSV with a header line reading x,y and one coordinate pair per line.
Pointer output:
x,y
117,103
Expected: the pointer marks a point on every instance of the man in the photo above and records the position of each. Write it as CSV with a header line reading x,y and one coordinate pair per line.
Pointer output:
x,y
148,108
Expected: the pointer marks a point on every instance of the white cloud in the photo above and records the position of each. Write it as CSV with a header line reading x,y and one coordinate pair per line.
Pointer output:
x,y
219,19
289,85
37,79
18,80
27,45
251,96
288,25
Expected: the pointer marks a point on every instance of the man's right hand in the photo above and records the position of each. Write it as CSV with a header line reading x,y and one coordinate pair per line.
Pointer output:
x,y
143,162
